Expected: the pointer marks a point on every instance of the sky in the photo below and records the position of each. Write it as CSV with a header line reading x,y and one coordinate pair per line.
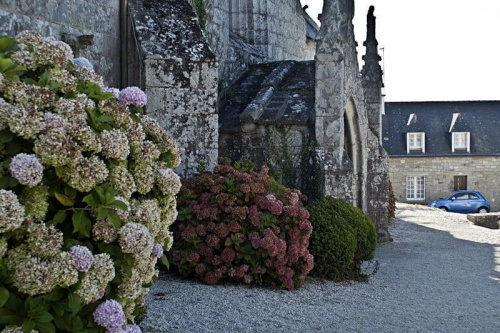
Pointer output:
x,y
435,50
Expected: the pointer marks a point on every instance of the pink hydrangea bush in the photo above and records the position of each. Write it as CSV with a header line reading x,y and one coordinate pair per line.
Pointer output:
x,y
87,193
244,227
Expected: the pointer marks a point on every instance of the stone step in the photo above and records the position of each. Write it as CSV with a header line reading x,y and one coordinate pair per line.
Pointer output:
x,y
489,220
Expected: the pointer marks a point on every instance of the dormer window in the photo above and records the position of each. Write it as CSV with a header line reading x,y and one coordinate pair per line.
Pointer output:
x,y
415,142
460,141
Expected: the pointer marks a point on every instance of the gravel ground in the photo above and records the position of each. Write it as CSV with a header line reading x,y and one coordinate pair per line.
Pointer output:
x,y
441,274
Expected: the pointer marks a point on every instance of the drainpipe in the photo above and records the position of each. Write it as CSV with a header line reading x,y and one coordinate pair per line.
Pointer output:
x,y
124,43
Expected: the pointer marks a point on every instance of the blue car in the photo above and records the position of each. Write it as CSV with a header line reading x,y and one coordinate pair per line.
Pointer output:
x,y
463,202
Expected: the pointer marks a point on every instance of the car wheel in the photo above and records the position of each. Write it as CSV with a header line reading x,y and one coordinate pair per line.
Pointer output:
x,y
482,210
444,209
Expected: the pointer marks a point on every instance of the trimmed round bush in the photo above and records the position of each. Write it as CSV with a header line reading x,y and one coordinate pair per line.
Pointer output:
x,y
343,236
241,226
87,193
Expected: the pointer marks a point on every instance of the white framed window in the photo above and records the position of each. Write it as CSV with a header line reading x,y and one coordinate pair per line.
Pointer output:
x,y
415,188
460,140
415,141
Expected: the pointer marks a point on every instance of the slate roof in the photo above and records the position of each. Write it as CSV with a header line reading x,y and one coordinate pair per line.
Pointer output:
x,y
283,92
480,118
312,28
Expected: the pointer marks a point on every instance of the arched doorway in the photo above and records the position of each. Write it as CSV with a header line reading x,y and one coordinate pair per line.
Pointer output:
x,y
354,149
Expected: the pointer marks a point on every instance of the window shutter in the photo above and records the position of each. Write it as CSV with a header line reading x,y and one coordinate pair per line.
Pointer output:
x,y
407,143
467,138
453,142
423,142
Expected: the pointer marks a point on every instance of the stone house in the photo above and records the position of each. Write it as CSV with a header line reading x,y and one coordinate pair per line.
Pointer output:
x,y
439,147
239,78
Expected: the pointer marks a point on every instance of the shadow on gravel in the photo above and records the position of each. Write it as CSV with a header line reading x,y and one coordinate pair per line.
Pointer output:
x,y
428,281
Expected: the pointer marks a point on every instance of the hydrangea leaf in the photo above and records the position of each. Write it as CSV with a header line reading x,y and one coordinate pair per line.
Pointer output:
x,y
165,261
65,200
4,296
60,217
44,79
114,218
5,182
74,303
7,44
102,213
5,316
6,136
91,200
81,223
55,295
9,69
45,327
29,325
43,317
118,204
14,147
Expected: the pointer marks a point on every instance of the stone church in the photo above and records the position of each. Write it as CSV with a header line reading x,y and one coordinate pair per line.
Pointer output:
x,y
241,79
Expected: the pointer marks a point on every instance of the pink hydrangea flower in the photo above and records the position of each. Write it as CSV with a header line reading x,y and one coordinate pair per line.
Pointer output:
x,y
228,255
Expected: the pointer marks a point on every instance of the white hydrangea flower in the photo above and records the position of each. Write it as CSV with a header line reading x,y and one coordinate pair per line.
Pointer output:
x,y
11,211
115,144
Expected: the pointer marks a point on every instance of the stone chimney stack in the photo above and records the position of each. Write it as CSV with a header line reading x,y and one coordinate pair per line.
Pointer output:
x,y
372,77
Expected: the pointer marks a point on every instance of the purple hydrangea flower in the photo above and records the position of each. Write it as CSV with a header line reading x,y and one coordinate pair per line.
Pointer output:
x,y
131,329
83,62
110,315
134,96
82,256
27,169
157,250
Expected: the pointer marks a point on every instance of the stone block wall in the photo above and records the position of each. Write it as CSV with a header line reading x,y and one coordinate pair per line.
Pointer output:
x,y
354,165
483,175
180,77
76,17
286,35
243,32
182,97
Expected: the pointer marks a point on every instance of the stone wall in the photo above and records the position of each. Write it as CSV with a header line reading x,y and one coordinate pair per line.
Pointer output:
x,y
483,175
353,163
243,32
77,17
179,74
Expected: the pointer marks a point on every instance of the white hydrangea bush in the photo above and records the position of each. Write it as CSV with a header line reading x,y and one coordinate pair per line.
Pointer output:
x,y
87,193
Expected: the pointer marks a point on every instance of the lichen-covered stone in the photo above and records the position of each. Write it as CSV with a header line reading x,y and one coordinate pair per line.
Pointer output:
x,y
78,17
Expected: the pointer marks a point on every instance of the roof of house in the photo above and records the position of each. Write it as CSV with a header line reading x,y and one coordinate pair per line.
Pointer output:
x,y
438,120
312,27
281,92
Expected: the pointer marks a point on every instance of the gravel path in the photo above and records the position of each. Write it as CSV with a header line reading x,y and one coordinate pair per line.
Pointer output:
x,y
441,274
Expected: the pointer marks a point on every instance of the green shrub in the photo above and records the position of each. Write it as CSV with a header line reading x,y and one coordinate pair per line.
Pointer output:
x,y
241,226
343,236
87,193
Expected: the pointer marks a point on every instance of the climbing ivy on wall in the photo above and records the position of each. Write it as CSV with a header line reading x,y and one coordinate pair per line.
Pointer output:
x,y
200,7
295,167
